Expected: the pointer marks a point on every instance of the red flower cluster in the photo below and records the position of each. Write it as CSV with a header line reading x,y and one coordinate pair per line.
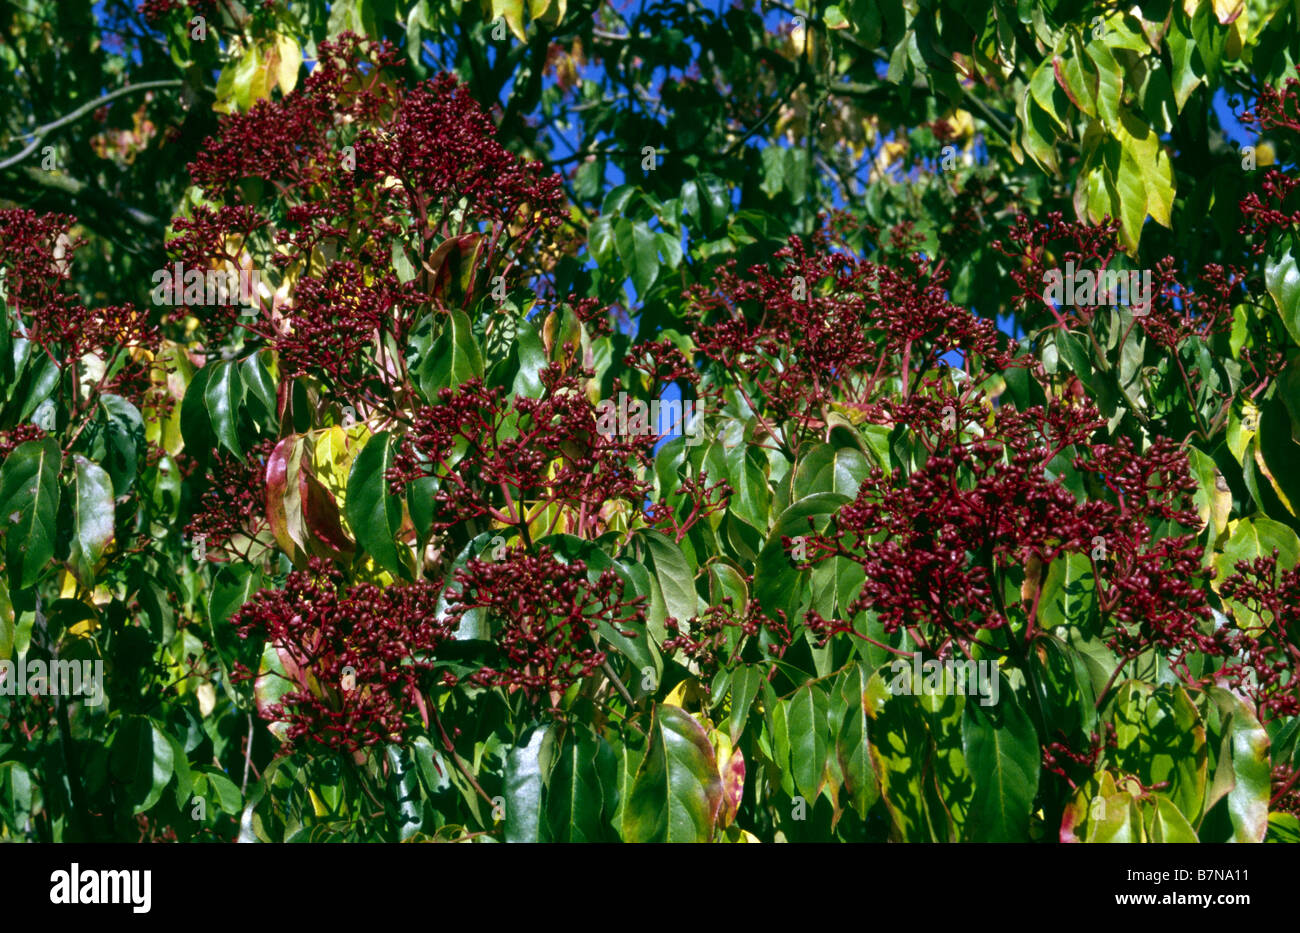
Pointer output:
x,y
692,501
829,326
386,636
156,10
544,615
717,639
937,544
1176,313
1264,661
17,435
233,503
36,252
512,462
662,363
307,190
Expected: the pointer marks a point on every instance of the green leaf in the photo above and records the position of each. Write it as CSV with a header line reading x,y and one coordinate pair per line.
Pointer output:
x,y
1130,184
900,746
403,787
1001,749
227,791
1037,135
7,629
773,159
374,513
1252,538
600,239
1282,278
474,624
574,799
1065,687
672,574
1076,77
196,428
1110,83
744,687
117,441
223,396
181,767
1277,454
1160,738
1250,767
677,791
707,199
671,249
523,788
742,466
454,358
92,511
256,378
829,469
29,505
1069,593
1143,146
142,758
807,718
852,741
1166,823
1182,52
232,586
513,13
777,584
639,251
532,360
1283,827
1049,95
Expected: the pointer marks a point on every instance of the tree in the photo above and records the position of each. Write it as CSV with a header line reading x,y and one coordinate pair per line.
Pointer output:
x,y
540,422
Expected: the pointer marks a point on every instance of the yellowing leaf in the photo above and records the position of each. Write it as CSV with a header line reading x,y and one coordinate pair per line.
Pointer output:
x,y
513,13
1228,10
1141,143
1110,83
290,60
317,804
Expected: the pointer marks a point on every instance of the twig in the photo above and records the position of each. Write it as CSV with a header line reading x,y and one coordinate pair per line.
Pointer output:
x,y
41,132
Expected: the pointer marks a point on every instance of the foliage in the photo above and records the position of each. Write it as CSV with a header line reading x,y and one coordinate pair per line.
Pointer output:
x,y
336,342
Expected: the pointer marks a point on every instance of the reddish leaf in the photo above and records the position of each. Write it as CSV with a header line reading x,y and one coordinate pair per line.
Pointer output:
x,y
326,537
733,786
455,261
283,497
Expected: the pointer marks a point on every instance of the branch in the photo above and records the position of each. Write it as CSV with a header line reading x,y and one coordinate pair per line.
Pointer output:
x,y
41,132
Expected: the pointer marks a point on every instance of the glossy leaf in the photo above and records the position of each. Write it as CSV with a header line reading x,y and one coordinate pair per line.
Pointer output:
x,y
223,395
29,504
1001,749
523,788
574,798
143,759
454,358
92,508
374,512
677,791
